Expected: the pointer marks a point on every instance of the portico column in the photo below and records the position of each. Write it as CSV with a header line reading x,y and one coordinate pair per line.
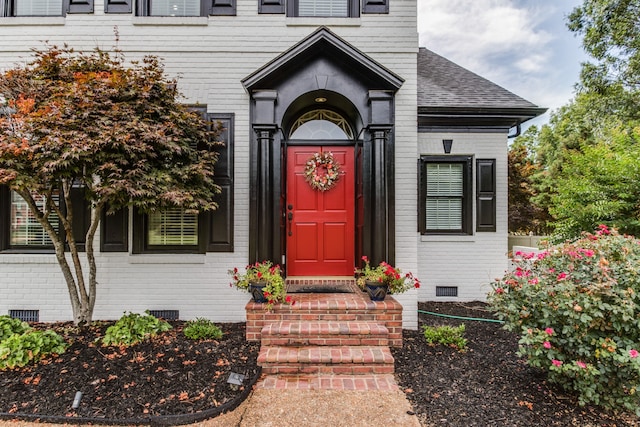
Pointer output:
x,y
379,191
264,181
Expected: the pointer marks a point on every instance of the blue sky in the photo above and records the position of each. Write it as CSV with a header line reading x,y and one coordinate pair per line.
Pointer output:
x,y
521,45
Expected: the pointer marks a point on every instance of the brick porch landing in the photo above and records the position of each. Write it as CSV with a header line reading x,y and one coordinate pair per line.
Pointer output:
x,y
327,341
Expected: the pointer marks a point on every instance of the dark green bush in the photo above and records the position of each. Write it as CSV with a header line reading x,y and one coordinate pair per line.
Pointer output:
x,y
133,328
201,328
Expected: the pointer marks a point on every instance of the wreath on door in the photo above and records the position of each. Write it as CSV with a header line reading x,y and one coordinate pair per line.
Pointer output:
x,y
322,171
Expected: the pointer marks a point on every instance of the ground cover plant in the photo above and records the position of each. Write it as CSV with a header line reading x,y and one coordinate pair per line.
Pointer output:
x,y
453,336
20,344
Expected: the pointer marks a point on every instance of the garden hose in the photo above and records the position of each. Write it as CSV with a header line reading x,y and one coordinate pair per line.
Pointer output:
x,y
461,318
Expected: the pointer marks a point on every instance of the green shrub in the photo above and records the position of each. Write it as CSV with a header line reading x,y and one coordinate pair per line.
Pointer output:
x,y
19,350
132,328
10,326
577,309
200,328
446,335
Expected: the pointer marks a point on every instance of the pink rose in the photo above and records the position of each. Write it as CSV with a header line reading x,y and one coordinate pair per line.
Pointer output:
x,y
546,345
581,364
556,362
549,331
633,353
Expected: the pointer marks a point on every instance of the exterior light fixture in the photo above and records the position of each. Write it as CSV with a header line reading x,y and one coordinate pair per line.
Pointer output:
x,y
446,144
235,380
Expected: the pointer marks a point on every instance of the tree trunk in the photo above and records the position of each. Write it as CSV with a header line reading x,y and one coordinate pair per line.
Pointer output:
x,y
82,302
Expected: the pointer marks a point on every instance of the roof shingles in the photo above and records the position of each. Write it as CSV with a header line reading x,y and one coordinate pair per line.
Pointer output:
x,y
444,84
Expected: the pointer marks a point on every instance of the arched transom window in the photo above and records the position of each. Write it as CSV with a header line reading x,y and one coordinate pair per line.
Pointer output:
x,y
321,124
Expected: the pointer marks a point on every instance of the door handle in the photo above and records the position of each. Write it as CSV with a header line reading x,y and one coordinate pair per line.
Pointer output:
x,y
290,219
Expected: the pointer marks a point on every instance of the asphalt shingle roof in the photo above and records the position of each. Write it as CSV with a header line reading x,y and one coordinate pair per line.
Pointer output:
x,y
444,84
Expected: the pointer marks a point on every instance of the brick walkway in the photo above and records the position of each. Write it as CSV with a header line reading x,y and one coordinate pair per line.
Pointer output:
x,y
326,382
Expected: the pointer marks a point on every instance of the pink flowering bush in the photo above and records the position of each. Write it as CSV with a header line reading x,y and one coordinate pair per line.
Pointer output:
x,y
577,307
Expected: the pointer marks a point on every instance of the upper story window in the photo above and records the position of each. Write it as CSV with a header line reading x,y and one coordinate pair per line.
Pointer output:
x,y
31,8
170,8
38,7
44,8
185,7
175,8
323,8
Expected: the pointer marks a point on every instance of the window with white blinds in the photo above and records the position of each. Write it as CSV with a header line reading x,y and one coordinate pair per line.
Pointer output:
x,y
445,192
446,189
38,7
175,8
172,227
25,229
323,8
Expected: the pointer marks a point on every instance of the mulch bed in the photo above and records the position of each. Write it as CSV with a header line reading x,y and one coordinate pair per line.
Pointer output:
x,y
171,375
167,375
488,385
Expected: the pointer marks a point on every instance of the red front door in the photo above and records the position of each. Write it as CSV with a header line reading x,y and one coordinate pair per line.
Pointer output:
x,y
320,224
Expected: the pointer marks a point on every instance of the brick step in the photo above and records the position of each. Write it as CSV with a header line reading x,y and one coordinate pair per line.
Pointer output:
x,y
324,333
326,360
353,307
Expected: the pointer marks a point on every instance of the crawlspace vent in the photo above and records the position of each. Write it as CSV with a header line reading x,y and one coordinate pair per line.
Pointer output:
x,y
25,315
446,291
166,314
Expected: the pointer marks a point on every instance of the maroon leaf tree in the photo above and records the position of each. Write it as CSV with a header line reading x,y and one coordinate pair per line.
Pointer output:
x,y
87,120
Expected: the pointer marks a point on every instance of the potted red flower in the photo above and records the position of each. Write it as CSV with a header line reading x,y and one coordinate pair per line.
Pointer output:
x,y
263,281
384,279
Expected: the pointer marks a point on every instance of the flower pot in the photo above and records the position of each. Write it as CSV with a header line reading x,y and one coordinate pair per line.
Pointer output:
x,y
377,290
255,288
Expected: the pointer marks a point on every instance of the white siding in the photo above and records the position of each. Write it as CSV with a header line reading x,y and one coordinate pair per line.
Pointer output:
x,y
468,262
210,55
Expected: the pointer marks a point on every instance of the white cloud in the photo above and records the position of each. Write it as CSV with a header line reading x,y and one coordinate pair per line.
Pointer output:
x,y
475,30
509,42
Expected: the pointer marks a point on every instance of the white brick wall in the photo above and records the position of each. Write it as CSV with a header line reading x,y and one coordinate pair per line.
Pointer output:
x,y
469,262
210,55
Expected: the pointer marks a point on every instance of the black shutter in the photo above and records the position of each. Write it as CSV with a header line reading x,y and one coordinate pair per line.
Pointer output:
x,y
114,231
375,6
5,216
271,6
486,195
220,230
223,7
79,6
81,216
118,6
